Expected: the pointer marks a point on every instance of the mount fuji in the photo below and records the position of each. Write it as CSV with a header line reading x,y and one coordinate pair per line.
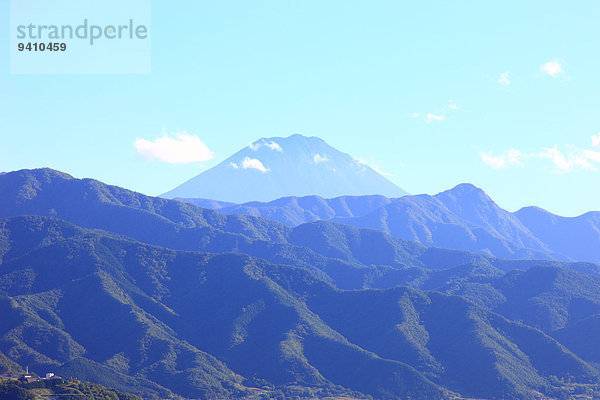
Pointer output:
x,y
275,167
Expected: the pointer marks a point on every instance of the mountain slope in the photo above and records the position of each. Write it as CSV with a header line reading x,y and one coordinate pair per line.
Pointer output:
x,y
90,203
466,218
294,166
294,211
549,298
177,225
147,311
582,338
463,218
345,256
60,389
576,237
208,326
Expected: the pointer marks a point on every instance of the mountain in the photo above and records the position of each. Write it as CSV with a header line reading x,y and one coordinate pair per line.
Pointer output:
x,y
295,211
275,167
147,312
339,257
581,338
232,326
462,218
576,237
345,256
9,368
547,298
98,305
466,218
58,388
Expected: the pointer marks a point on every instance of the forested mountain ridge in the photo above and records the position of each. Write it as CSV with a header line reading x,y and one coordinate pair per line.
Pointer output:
x,y
240,306
221,325
462,218
335,252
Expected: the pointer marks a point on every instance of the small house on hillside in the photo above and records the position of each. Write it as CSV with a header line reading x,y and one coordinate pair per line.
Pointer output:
x,y
28,378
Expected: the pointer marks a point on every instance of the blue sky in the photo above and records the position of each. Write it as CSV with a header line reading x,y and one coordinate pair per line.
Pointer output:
x,y
503,95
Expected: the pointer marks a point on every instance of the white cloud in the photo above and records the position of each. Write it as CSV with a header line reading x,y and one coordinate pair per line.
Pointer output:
x,y
274,146
575,159
504,78
253,163
514,157
380,172
317,158
508,158
181,149
496,162
570,159
596,140
552,68
592,155
362,163
432,117
234,165
271,145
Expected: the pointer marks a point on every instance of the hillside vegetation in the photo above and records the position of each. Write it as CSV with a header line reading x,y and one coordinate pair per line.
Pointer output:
x,y
163,299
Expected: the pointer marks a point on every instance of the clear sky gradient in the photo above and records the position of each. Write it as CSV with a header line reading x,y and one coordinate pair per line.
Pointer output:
x,y
505,95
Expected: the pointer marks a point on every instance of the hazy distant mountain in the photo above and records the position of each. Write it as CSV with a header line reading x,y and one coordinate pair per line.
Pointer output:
x,y
466,218
294,166
576,237
294,211
462,218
